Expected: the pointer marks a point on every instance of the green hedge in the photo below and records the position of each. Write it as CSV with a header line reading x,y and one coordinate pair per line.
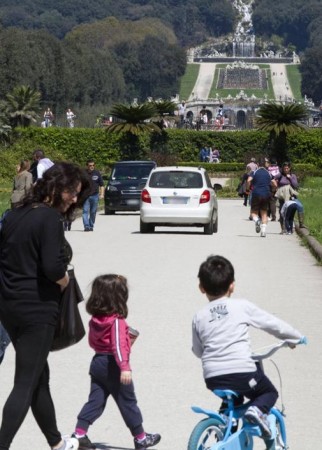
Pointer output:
x,y
172,146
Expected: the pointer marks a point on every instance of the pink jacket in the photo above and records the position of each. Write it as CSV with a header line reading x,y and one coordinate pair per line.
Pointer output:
x,y
109,334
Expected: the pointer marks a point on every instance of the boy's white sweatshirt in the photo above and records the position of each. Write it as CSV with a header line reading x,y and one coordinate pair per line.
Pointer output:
x,y
220,335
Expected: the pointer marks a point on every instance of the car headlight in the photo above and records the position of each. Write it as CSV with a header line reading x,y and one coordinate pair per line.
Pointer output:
x,y
111,188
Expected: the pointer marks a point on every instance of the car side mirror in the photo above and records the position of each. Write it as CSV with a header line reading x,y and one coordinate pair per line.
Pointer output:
x,y
217,187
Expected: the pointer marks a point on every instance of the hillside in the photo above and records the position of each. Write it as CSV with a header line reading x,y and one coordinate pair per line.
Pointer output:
x,y
192,20
90,54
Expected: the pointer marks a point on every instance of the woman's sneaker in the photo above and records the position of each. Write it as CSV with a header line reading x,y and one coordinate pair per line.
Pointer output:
x,y
149,441
255,416
83,442
69,444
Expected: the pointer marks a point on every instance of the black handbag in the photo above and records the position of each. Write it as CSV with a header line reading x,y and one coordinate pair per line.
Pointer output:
x,y
69,329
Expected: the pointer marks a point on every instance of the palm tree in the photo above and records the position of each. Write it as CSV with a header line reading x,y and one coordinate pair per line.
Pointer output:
x,y
22,105
164,108
134,120
281,121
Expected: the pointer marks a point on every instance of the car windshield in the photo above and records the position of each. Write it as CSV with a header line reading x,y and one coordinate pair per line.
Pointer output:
x,y
131,173
176,179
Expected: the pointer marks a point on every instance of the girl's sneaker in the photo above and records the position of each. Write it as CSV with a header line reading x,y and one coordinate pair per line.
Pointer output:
x,y
148,441
84,442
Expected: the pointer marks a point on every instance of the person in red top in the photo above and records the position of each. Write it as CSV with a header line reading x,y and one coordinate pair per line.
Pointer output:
x,y
110,368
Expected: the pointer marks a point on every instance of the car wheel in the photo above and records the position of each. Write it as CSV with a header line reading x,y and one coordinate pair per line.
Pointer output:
x,y
109,212
146,227
216,225
209,228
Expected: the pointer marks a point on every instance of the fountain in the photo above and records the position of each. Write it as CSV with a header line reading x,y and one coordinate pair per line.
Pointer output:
x,y
244,37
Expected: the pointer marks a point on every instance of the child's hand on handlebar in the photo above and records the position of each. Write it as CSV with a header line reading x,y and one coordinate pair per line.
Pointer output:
x,y
302,340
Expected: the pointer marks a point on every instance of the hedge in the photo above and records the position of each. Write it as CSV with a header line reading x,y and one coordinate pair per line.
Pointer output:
x,y
172,146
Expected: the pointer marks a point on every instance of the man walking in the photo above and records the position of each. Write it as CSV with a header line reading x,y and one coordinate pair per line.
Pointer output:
x,y
41,164
97,192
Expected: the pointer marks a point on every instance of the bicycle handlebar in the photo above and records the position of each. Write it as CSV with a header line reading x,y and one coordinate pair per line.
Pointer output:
x,y
275,347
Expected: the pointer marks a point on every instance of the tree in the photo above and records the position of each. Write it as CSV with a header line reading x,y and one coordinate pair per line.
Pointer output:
x,y
134,121
162,65
311,69
281,121
5,128
21,106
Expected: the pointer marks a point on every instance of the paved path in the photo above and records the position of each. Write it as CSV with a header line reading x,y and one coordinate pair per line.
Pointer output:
x,y
280,82
277,272
204,81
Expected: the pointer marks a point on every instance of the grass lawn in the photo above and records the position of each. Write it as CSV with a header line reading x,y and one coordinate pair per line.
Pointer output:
x,y
311,197
188,81
294,78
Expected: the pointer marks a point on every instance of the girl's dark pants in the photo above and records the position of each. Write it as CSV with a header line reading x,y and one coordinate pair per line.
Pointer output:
x,y
105,381
32,344
253,385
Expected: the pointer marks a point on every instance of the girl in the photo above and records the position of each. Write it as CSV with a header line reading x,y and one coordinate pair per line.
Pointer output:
x,y
110,369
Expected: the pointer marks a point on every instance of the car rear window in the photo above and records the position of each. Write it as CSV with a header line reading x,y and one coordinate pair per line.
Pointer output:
x,y
176,179
131,172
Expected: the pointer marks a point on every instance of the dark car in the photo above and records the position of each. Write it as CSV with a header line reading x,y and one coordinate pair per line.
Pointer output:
x,y
124,187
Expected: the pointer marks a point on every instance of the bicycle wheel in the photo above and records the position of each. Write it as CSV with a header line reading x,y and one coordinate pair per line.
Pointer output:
x,y
205,434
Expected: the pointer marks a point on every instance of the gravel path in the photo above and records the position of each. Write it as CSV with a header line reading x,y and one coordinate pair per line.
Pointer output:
x,y
204,81
280,83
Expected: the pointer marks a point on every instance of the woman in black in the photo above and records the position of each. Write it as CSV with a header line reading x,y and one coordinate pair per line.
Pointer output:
x,y
33,263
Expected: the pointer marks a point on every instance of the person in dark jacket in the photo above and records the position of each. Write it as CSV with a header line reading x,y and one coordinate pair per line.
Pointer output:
x,y
97,192
33,264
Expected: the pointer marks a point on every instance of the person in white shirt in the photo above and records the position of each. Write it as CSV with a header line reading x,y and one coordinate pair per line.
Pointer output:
x,y
70,116
43,163
220,338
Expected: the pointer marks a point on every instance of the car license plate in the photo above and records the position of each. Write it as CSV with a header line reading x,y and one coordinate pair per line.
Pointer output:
x,y
132,202
175,200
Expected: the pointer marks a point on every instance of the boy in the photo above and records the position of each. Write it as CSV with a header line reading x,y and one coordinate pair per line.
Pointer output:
x,y
220,338
288,212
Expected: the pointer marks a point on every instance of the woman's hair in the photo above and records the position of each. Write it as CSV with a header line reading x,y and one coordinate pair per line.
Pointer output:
x,y
62,176
109,296
24,165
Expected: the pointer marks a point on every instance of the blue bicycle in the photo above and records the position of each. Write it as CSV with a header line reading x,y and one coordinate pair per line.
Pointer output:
x,y
220,431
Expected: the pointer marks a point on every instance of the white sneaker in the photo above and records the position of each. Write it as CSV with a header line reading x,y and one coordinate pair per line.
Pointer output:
x,y
263,234
255,416
69,444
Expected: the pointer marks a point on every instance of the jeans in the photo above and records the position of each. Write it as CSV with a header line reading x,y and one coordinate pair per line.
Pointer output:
x,y
89,211
290,213
32,344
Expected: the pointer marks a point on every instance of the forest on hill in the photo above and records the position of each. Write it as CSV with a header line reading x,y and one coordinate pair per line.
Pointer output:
x,y
91,54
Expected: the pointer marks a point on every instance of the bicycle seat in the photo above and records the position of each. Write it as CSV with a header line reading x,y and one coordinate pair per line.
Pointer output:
x,y
225,393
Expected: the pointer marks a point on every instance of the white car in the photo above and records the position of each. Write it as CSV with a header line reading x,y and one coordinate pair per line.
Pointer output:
x,y
179,196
